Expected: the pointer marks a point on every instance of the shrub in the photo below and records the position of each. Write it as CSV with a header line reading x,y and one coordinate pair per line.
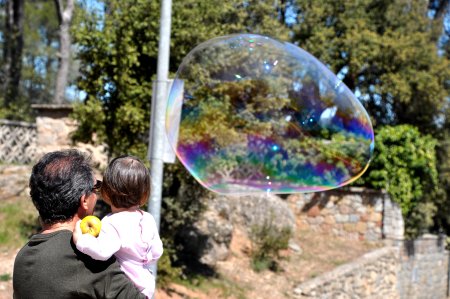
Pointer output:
x,y
404,164
267,241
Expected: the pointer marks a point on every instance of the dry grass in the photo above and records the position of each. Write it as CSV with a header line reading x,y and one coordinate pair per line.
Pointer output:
x,y
18,220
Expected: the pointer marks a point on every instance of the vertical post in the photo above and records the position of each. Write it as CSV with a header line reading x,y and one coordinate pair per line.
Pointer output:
x,y
156,140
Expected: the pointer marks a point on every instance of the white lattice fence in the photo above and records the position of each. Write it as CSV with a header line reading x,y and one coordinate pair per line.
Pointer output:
x,y
17,141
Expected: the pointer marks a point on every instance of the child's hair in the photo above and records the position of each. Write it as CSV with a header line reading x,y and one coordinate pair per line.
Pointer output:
x,y
126,182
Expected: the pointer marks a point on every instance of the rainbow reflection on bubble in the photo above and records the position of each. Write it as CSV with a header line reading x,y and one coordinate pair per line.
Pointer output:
x,y
250,114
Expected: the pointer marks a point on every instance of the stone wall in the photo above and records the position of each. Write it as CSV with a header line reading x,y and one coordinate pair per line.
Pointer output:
x,y
424,268
353,213
53,133
50,132
415,269
14,181
374,275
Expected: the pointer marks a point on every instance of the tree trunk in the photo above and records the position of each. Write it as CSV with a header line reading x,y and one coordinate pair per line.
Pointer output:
x,y
65,19
13,49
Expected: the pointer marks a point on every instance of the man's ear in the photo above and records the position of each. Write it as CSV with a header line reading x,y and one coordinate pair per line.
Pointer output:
x,y
84,202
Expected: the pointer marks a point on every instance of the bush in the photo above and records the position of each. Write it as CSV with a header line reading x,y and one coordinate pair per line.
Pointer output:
x,y
183,203
404,164
267,241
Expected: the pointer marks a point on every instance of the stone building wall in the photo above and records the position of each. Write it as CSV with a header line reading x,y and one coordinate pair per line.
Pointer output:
x,y
353,213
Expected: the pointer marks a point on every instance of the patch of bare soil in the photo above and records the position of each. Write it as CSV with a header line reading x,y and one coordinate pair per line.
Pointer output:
x,y
6,269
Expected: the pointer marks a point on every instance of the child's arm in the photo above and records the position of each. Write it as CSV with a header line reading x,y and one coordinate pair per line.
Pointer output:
x,y
101,248
156,246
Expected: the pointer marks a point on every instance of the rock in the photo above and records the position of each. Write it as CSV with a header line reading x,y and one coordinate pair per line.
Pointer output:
x,y
295,247
209,238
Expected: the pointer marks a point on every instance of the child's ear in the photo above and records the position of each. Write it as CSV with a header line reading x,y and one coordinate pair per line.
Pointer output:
x,y
143,201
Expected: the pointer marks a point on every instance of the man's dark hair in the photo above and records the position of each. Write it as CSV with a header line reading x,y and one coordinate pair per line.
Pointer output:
x,y
126,182
57,183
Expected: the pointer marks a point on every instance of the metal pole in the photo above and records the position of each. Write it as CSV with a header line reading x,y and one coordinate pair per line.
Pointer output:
x,y
156,139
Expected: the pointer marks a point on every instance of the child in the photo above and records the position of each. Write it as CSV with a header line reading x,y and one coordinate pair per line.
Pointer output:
x,y
128,232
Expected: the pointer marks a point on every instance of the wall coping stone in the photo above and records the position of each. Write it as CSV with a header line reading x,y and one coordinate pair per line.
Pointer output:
x,y
356,190
52,110
17,123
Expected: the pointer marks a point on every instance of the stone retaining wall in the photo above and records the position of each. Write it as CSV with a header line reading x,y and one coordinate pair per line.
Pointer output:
x,y
406,270
374,275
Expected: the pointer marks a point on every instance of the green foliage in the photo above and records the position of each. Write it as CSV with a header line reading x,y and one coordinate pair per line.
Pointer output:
x,y
19,110
404,164
166,272
5,277
18,223
91,117
118,59
267,241
116,75
442,218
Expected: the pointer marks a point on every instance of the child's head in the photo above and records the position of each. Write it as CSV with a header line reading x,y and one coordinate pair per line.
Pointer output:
x,y
126,182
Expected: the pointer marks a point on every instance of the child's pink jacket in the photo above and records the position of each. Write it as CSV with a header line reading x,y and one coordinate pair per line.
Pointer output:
x,y
132,236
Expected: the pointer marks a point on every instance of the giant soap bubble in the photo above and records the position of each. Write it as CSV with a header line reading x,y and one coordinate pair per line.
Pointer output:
x,y
259,115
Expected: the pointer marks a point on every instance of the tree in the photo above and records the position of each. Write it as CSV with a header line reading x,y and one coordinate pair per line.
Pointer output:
x,y
385,51
40,51
388,53
64,13
12,50
38,63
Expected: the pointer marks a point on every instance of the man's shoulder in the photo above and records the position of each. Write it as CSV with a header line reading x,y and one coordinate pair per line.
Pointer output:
x,y
67,270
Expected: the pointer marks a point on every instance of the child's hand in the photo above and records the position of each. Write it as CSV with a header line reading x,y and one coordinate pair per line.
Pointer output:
x,y
77,232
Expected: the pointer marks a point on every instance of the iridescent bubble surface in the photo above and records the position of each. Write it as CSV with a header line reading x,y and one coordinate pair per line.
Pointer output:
x,y
250,114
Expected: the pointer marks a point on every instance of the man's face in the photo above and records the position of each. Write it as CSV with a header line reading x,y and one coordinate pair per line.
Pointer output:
x,y
92,198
